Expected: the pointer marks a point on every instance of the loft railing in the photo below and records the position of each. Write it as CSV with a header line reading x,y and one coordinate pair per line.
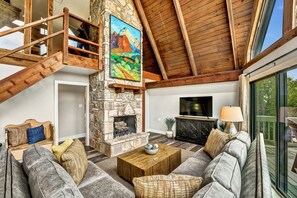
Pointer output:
x,y
66,16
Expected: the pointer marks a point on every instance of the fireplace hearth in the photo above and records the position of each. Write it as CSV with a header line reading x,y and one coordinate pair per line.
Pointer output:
x,y
124,125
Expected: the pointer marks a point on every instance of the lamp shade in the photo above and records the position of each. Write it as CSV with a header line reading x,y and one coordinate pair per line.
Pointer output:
x,y
231,114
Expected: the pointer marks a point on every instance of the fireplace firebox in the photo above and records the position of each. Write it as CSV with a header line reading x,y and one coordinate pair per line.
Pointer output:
x,y
124,125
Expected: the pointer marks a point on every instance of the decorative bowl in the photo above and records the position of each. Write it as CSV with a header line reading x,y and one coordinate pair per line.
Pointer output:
x,y
151,151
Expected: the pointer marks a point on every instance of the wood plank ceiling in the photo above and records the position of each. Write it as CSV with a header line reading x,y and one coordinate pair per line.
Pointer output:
x,y
208,31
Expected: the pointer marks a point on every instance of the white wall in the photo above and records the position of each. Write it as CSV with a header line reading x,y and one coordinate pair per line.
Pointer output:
x,y
164,102
35,102
71,111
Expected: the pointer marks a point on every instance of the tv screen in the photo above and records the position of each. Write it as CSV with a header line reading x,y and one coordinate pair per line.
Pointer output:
x,y
196,106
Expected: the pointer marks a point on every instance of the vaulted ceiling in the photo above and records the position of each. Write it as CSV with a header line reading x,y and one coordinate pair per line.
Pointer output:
x,y
207,25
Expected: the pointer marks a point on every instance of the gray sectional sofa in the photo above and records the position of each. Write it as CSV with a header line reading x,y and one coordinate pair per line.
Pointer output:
x,y
240,170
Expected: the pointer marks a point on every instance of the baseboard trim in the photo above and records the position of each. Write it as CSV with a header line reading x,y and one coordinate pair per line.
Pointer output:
x,y
72,137
156,131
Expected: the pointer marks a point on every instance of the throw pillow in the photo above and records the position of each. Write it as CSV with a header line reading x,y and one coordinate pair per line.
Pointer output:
x,y
35,134
215,142
58,150
172,185
75,161
18,135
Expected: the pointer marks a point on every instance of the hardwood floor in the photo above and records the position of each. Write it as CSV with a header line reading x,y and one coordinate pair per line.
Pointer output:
x,y
154,138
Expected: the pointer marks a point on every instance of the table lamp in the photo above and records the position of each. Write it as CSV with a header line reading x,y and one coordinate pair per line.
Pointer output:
x,y
230,115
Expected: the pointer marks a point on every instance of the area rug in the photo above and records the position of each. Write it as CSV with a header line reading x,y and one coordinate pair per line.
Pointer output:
x,y
110,166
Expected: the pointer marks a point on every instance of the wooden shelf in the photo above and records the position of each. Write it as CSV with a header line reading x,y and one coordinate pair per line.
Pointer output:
x,y
119,88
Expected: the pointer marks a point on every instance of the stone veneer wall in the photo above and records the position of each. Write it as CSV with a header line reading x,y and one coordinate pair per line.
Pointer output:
x,y
104,102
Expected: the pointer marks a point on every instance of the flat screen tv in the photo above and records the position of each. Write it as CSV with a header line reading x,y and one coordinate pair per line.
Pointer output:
x,y
196,106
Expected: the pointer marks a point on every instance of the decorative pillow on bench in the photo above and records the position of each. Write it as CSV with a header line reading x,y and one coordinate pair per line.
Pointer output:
x,y
35,134
18,135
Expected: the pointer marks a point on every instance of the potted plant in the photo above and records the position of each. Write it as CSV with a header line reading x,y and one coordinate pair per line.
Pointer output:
x,y
169,123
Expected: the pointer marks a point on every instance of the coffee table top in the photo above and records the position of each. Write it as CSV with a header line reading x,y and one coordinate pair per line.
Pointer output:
x,y
140,159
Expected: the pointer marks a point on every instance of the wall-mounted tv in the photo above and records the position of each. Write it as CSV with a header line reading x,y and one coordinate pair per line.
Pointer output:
x,y
196,106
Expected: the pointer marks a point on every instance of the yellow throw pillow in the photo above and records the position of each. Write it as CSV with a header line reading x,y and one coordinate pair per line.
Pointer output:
x,y
58,150
75,161
160,186
215,142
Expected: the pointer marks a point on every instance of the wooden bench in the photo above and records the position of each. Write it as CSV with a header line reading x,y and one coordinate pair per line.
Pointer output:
x,y
17,151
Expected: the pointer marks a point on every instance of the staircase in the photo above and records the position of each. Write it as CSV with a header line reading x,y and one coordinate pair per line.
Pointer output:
x,y
36,72
27,77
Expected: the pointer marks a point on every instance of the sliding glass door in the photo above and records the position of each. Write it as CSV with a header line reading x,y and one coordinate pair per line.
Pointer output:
x,y
274,113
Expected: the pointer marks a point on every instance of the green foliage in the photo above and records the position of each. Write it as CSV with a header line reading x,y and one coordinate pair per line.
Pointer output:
x,y
169,123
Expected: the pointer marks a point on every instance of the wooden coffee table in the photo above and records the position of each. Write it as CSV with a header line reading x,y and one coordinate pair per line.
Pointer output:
x,y
137,163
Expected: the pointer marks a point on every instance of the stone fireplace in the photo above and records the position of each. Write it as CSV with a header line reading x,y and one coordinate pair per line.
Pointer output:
x,y
112,114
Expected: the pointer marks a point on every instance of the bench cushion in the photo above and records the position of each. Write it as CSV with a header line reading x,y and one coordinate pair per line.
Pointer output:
x,y
225,170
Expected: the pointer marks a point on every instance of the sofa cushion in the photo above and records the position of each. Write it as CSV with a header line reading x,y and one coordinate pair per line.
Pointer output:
x,y
35,134
75,161
3,158
18,135
244,137
194,165
238,150
58,150
49,179
255,173
93,173
18,185
105,187
34,155
212,190
225,170
166,186
215,142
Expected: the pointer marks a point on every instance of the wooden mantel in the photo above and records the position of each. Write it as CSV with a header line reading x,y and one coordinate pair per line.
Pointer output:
x,y
120,88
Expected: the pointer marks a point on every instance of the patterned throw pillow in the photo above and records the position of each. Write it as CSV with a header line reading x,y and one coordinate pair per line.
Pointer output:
x,y
18,135
173,185
215,142
35,134
58,150
75,161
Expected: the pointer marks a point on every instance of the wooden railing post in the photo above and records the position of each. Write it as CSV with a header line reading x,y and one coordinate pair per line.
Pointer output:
x,y
50,29
65,39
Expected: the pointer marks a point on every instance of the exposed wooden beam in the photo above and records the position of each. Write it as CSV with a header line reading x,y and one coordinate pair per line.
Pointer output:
x,y
151,37
151,76
200,79
287,37
253,28
50,29
27,19
184,31
232,32
288,16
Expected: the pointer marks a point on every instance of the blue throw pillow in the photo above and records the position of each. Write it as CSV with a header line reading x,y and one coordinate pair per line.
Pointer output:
x,y
35,134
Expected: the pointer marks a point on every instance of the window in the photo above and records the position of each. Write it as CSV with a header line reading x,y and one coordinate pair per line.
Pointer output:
x,y
271,26
274,113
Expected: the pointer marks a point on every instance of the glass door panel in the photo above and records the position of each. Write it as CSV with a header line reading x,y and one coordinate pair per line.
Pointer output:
x,y
290,112
265,118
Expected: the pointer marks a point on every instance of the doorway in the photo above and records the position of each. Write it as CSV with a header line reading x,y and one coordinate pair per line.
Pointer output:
x,y
71,111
